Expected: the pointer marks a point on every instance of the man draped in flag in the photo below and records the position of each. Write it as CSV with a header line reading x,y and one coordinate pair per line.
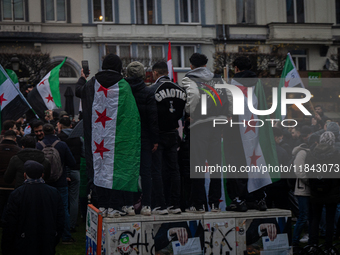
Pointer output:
x,y
46,95
12,103
246,145
112,134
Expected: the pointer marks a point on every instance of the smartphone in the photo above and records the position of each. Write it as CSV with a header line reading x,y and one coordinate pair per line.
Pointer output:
x,y
85,66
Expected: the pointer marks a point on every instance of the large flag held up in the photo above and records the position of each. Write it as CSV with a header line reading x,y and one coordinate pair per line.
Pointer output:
x,y
289,78
12,103
46,95
13,77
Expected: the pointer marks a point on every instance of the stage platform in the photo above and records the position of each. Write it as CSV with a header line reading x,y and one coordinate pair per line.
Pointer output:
x,y
227,233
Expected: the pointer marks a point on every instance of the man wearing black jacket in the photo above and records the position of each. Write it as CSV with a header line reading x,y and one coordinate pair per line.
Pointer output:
x,y
34,217
170,108
147,108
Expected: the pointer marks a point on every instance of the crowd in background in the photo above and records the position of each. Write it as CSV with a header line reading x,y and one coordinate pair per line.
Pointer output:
x,y
165,162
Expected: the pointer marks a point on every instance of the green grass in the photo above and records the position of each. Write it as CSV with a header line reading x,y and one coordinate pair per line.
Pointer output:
x,y
78,248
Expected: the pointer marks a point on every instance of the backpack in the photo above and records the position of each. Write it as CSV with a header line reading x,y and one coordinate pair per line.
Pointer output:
x,y
53,156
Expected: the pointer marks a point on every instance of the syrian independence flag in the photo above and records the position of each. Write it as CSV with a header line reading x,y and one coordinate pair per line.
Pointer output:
x,y
116,135
258,142
289,78
46,95
13,77
13,104
172,75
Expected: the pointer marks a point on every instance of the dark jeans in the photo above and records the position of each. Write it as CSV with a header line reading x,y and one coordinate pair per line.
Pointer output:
x,y
109,198
315,221
63,191
302,219
164,159
145,171
205,146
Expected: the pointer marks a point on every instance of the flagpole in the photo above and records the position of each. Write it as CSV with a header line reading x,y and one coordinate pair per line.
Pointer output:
x,y
20,94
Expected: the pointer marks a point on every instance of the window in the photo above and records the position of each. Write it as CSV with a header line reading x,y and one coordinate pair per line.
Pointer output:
x,y
190,11
103,10
300,59
13,10
123,51
55,10
245,10
149,54
146,12
181,54
337,11
295,11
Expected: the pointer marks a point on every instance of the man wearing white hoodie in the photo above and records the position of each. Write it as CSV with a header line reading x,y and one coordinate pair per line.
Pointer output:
x,y
205,140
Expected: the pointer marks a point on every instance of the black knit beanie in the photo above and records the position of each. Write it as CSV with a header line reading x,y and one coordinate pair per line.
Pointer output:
x,y
112,62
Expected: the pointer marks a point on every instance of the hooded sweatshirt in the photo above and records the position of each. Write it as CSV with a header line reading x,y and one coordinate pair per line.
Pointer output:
x,y
193,82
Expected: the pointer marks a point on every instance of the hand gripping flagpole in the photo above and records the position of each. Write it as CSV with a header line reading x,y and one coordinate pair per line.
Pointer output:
x,y
20,94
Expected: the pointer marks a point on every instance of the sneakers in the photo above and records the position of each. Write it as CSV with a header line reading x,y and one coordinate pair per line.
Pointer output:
x,y
194,209
146,211
261,205
103,211
237,206
304,239
69,241
114,213
215,208
159,211
174,210
130,210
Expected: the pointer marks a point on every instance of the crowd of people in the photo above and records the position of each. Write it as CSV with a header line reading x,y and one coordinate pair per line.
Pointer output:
x,y
46,169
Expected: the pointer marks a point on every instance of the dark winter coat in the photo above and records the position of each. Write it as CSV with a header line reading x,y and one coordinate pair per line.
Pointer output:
x,y
15,169
33,221
8,149
65,156
85,91
324,154
147,108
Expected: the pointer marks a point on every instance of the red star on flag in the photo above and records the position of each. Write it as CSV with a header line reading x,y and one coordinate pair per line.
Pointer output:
x,y
42,82
100,148
49,98
102,117
254,158
101,88
2,99
249,128
287,83
244,90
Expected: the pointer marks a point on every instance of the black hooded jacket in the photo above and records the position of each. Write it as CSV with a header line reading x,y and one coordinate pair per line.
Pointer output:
x,y
147,108
247,78
323,155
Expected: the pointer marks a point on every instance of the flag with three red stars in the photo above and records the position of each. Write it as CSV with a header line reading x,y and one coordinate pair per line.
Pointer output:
x,y
46,94
258,142
115,136
12,103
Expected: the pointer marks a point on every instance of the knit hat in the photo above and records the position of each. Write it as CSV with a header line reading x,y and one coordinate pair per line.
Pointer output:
x,y
334,128
112,62
136,69
328,138
33,169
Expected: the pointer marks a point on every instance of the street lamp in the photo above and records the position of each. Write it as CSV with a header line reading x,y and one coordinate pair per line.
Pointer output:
x,y
272,68
15,63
